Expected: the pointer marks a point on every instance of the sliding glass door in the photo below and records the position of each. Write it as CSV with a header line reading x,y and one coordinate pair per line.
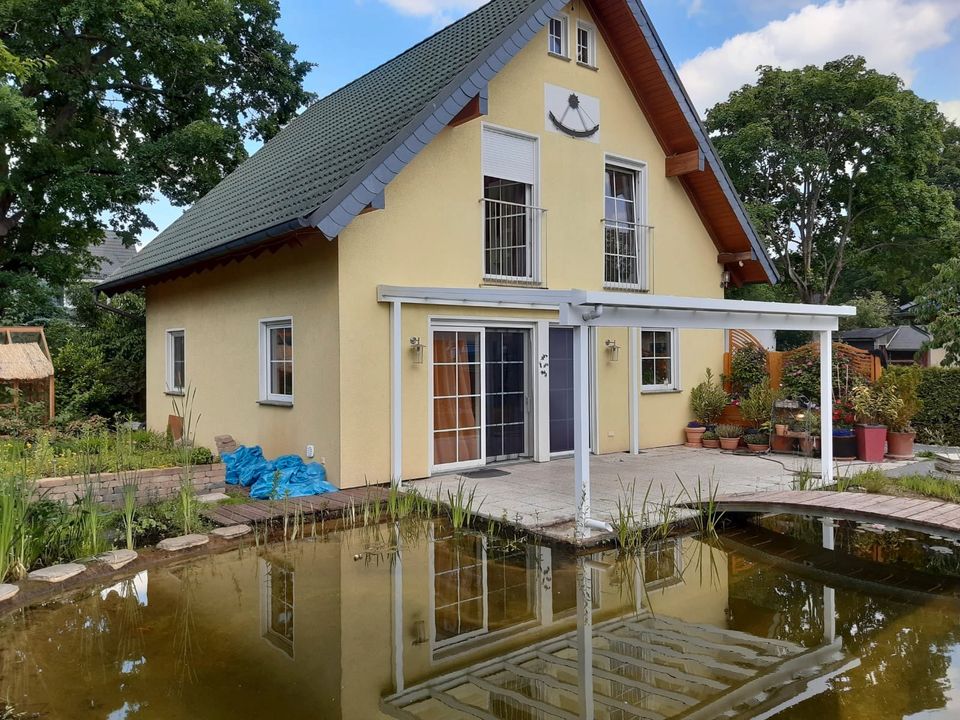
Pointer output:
x,y
505,362
457,395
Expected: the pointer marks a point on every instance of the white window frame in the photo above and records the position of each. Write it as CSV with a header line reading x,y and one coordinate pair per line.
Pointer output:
x,y
674,384
564,20
265,326
170,334
534,251
644,264
456,639
591,61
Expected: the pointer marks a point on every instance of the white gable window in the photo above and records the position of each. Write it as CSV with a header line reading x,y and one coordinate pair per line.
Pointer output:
x,y
586,44
658,360
626,239
276,360
176,361
511,220
557,36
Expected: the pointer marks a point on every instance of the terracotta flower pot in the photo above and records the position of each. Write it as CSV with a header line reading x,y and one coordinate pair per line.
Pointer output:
x,y
782,443
694,434
758,448
871,442
900,445
729,443
781,429
712,444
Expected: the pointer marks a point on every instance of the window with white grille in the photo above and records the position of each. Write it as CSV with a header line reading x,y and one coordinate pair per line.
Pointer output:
x,y
557,36
276,360
626,240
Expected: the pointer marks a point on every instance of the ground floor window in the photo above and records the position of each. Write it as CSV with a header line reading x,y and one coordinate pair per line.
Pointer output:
x,y
276,360
658,356
176,361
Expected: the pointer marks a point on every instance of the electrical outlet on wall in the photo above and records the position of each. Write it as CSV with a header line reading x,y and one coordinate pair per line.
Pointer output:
x,y
310,451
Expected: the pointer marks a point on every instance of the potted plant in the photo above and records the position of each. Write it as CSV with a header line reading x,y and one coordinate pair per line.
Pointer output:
x,y
757,442
710,439
729,436
900,433
874,407
844,438
707,400
757,407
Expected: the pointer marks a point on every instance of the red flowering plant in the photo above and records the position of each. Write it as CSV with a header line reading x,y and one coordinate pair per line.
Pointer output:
x,y
843,415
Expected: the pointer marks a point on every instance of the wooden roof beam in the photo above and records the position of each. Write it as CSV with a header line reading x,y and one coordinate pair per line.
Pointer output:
x,y
684,163
730,258
475,107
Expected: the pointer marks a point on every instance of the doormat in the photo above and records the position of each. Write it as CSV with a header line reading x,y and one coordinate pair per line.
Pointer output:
x,y
485,473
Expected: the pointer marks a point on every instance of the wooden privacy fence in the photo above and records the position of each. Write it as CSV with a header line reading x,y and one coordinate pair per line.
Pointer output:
x,y
846,358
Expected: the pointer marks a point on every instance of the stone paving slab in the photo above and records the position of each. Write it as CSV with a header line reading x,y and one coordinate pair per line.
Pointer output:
x,y
57,573
183,542
117,558
8,591
213,497
231,531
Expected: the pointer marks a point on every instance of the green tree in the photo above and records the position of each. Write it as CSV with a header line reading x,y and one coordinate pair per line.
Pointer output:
x,y
100,356
121,98
874,310
938,307
835,165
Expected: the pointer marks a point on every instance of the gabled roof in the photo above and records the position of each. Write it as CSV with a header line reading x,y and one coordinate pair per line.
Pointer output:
x,y
111,255
334,160
868,333
904,338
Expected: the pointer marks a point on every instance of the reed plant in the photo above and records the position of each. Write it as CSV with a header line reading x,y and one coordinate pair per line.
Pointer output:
x,y
15,493
91,523
188,508
460,505
708,515
128,510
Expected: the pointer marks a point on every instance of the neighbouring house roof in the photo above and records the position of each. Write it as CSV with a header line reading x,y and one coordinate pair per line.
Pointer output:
x,y
905,338
337,157
111,254
24,361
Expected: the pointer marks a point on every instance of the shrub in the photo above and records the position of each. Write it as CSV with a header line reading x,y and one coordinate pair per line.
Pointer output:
x,y
757,407
757,439
876,404
748,368
904,381
708,400
939,396
709,435
201,456
729,431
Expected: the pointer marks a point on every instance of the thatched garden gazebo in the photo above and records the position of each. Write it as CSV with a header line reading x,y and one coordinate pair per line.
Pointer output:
x,y
26,371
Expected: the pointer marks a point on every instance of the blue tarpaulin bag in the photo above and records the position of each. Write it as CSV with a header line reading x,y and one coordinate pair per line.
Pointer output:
x,y
287,476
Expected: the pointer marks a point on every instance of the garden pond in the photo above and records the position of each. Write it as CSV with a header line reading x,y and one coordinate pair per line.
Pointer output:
x,y
785,617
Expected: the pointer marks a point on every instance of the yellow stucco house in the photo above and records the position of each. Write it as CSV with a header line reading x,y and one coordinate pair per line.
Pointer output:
x,y
379,285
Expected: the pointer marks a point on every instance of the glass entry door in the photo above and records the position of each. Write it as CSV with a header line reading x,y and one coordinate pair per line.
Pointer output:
x,y
561,390
506,393
457,394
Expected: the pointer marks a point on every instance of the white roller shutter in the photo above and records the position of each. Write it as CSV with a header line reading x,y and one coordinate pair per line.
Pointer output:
x,y
509,157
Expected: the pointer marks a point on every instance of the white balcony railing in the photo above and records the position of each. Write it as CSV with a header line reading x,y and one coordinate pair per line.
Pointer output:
x,y
512,244
627,255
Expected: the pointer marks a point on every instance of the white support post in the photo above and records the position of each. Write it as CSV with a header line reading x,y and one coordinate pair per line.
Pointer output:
x,y
396,394
541,405
585,592
634,390
396,581
826,407
829,594
581,426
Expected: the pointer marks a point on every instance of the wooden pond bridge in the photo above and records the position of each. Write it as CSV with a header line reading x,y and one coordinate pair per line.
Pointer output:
x,y
925,516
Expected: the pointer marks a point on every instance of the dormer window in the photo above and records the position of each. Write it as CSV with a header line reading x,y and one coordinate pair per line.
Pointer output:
x,y
557,36
586,45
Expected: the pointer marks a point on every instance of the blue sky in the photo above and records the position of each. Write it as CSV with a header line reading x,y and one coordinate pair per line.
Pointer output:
x,y
716,44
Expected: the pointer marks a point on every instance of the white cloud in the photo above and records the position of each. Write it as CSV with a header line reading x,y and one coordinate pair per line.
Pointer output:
x,y
694,8
889,33
951,108
438,10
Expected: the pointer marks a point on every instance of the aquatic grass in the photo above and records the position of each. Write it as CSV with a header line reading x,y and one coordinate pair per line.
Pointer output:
x,y
803,479
188,508
15,494
91,523
128,510
928,486
627,525
460,505
872,480
707,512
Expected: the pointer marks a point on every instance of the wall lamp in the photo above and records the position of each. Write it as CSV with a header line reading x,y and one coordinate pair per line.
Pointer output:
x,y
725,279
417,347
613,349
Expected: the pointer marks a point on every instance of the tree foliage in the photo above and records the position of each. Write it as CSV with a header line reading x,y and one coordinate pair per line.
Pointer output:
x,y
99,357
107,101
838,167
874,310
938,307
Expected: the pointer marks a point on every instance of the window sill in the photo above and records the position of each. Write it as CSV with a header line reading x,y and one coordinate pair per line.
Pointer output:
x,y
615,287
558,56
587,66
174,393
508,282
659,391
276,403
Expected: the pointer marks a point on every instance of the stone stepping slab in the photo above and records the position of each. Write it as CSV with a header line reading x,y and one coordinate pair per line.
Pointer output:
x,y
57,573
183,542
213,497
231,531
8,591
117,558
